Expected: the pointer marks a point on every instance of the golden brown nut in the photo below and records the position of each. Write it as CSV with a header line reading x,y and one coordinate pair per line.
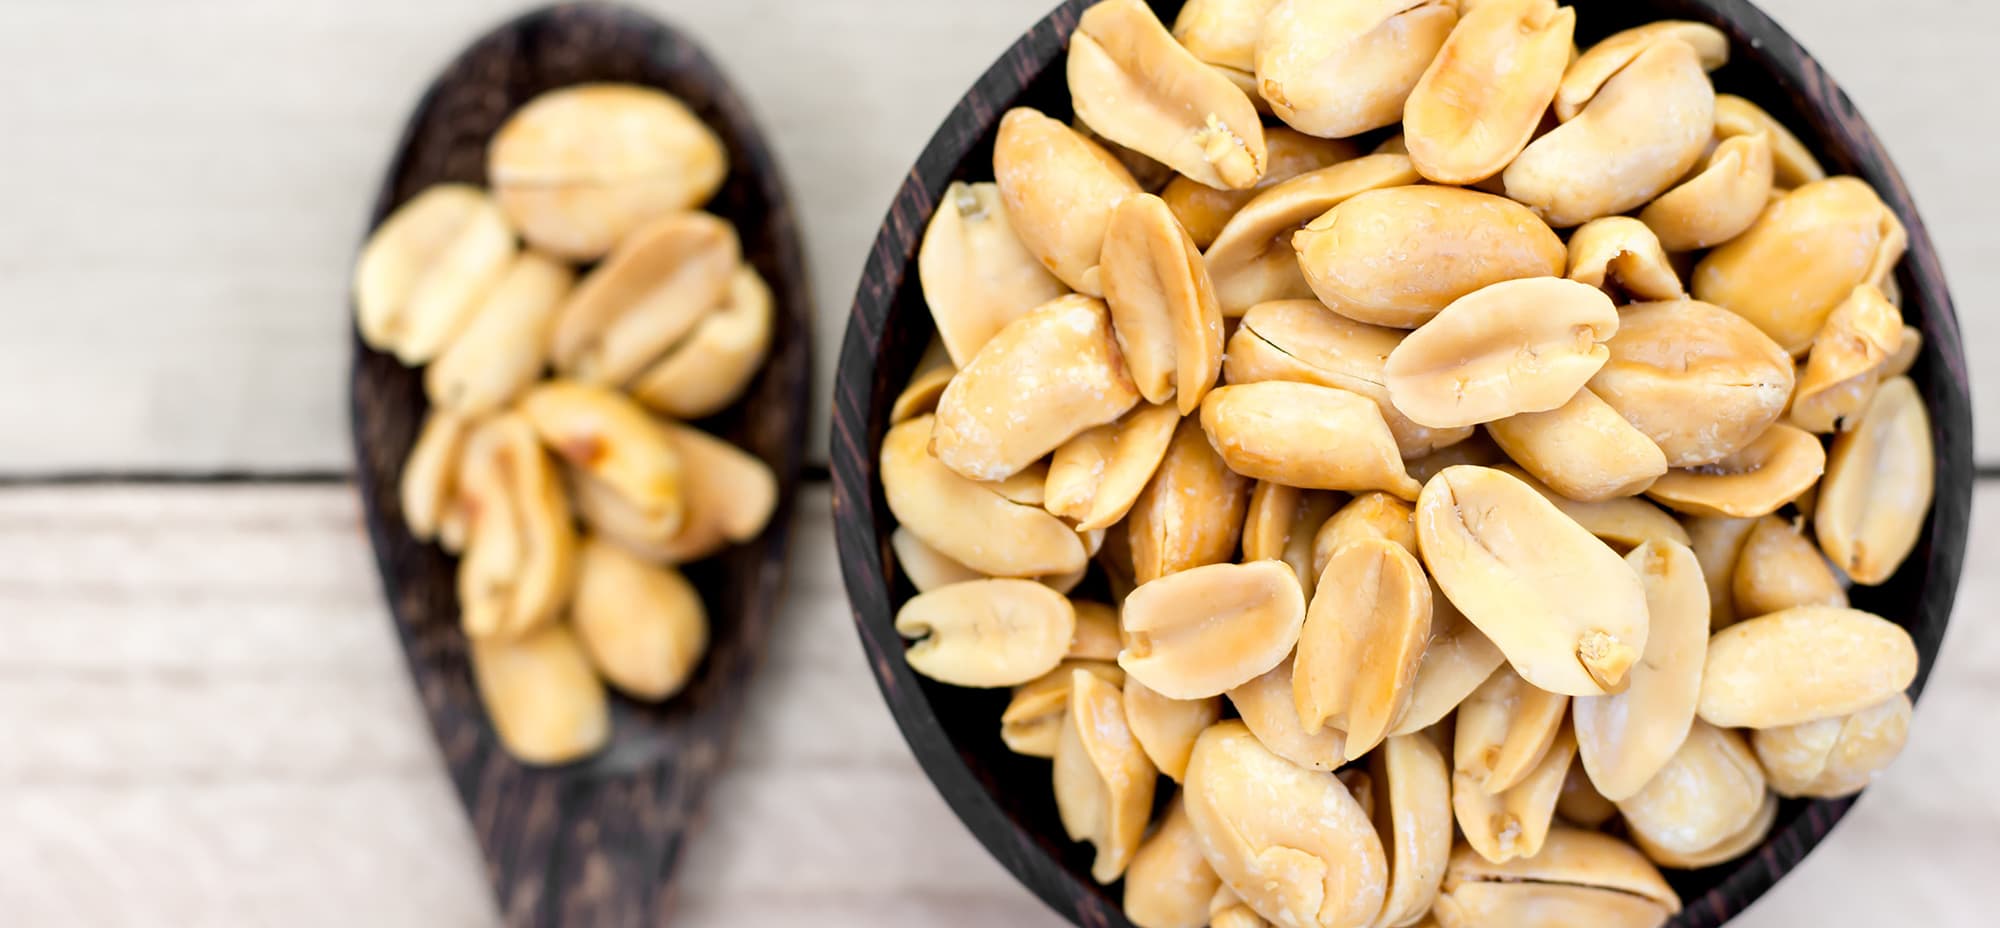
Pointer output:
x,y
1801,665
730,496
1170,883
424,271
1779,568
1282,525
1582,449
1031,724
1481,98
1506,348
1620,251
1708,790
1793,164
976,274
1752,481
648,294
1478,449
644,626
1337,70
1163,307
1223,32
920,395
1504,728
428,489
1835,757
1058,189
1197,633
1849,358
1878,487
1514,822
1095,478
715,363
1580,878
1252,259
1266,706
1697,379
606,436
1304,435
1191,512
1103,782
1906,354
1369,515
1204,210
520,548
540,693
1719,201
506,344
1589,72
987,632
1580,804
1166,728
1625,738
967,521
1363,637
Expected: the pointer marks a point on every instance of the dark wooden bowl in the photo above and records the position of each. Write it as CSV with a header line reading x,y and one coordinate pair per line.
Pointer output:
x,y
596,842
1004,798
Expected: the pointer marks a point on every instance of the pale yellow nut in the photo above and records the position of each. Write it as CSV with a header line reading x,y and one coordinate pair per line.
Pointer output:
x,y
1779,568
1580,878
1792,162
976,274
1097,636
605,435
1803,664
1368,515
986,633
1717,546
520,547
428,488
1878,487
1835,757
1302,341
1589,72
1719,201
1802,256
1103,781
1305,435
730,496
1027,486
578,168
968,522
1338,70
425,269
1698,380
1252,259
643,625
1058,189
1031,724
1197,633
1265,704
1563,607
1620,254
1190,513
647,295
1046,377
1203,210
1163,308
1583,449
1414,819
1906,354
506,345
1166,728
1096,477
1708,790
1291,842
1512,347
1504,730
1752,481
1514,822
927,567
1283,524
1362,640
1478,449
1457,660
1132,83
1227,910
1580,804
1222,32
1625,738
542,696
1622,522
711,367
1482,96
1847,362
920,395
1742,842
1398,256
1169,883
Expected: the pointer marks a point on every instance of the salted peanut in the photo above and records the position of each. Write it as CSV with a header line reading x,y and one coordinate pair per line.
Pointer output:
x,y
1222,32
1591,70
1204,210
1621,251
920,395
1752,481
1719,201
1413,817
1878,486
1027,486
1481,97
1133,84
1793,163
1044,378
1641,131
1163,308
987,632
1368,515
1166,728
730,495
1560,604
1580,878
505,345
1169,883
1305,435
713,365
1718,545
577,169
1478,449
542,696
1097,636
1709,789
1359,785
1457,660
1282,525
1803,255
1512,347
1032,722
424,271
1190,513
1097,476
1831,758
1058,189
1504,730
976,274
1197,633
1252,259
1513,823
1728,849
1302,341
1291,842
1779,568
520,547
1398,256
1699,380
1801,665
1847,361
966,521
1150,175
1265,704
1227,910
1341,70
606,435
927,567
648,294
1363,637
1622,522
1580,803
643,625
1103,781
1625,738
1907,350
1583,449
428,489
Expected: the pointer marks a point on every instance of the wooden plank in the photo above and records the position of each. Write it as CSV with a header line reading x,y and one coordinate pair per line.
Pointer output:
x,y
181,214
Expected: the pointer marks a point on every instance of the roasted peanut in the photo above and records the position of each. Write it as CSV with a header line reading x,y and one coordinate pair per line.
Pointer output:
x,y
1480,99
1478,449
1414,819
1190,513
1777,568
966,521
1582,449
1227,910
1621,252
1097,636
921,394
730,496
1792,163
1058,189
1801,665
1504,728
648,294
711,367
1163,309
1580,878
1580,803
1717,545
1282,525
539,690
1878,487
1752,481
1252,259
1622,522
1457,660
1830,758
1095,477
1906,353
429,485
606,436
520,547
1847,361
1589,72
1266,705
1204,210
1166,728
1730,848
927,567
1305,435
1512,347
1719,201
1169,883
1223,32
1369,515
1341,70
1197,633
1362,640
424,271
1514,822
1708,790
1103,782
506,344
1032,722
643,625
1625,738
1697,379
987,632
976,274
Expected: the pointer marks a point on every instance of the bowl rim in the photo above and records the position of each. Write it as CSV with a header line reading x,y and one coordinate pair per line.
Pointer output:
x,y
1834,129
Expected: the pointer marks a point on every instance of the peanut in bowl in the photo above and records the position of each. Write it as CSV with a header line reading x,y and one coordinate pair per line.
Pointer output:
x,y
1050,468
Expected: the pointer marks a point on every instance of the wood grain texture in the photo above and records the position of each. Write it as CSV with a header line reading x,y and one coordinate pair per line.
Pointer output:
x,y
596,842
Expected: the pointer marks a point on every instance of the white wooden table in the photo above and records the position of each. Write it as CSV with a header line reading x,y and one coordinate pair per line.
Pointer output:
x,y
203,718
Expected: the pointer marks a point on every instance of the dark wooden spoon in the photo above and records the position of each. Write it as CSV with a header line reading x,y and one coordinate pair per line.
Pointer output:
x,y
596,842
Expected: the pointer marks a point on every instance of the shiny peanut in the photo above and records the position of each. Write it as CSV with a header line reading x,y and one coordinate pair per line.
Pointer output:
x,y
1282,525
1621,252
1793,164
1625,738
1878,488
966,521
1058,189
1717,544
1719,201
1103,782
712,366
976,274
1514,822
1580,878
1363,637
644,626
520,547
1095,478
1199,632
1169,883
1252,259
544,700
604,434
1369,515
1458,658
1163,308
1697,379
424,271
1190,513
1414,819
1778,568
1504,729
1341,70
1305,435
1708,790
648,294
1267,707
1032,722
1835,757
1591,70
1204,210
1803,664
987,632
1847,361
1166,728
1752,481
1582,449
1480,99
1512,347
505,345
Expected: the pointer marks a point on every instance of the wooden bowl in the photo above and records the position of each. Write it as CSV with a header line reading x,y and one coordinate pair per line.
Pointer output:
x,y
1005,798
594,842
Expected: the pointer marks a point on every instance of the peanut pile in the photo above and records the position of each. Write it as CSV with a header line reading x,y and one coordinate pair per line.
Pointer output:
x,y
669,324
1476,458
